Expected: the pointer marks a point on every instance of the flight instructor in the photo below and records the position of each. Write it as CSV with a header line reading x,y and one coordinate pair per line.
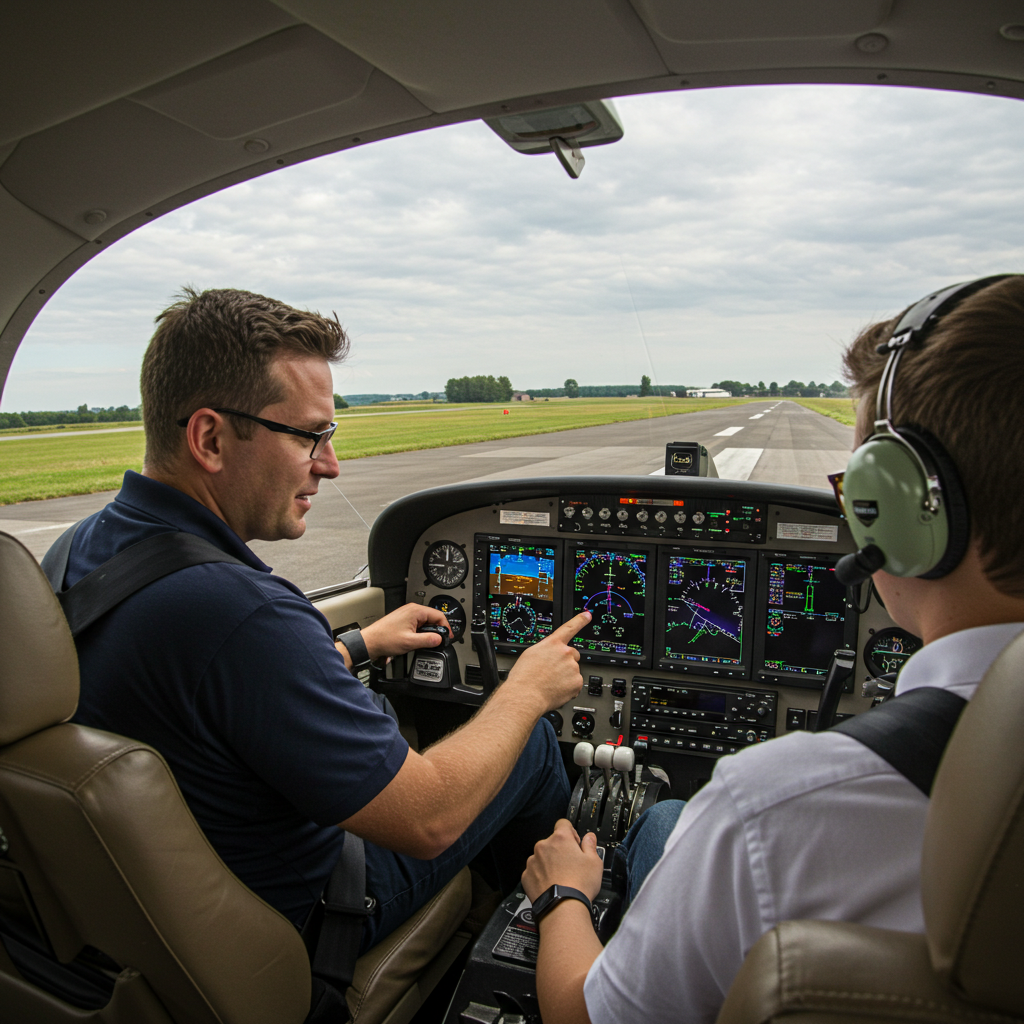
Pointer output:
x,y
233,675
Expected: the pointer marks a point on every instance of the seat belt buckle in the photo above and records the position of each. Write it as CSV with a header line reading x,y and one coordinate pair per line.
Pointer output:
x,y
369,906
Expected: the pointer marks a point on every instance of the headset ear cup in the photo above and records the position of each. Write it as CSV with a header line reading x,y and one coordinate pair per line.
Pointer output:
x,y
958,516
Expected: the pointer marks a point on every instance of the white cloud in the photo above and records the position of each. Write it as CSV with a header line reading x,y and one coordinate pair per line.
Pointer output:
x,y
759,227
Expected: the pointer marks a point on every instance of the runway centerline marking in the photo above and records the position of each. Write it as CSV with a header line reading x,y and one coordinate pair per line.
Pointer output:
x,y
728,432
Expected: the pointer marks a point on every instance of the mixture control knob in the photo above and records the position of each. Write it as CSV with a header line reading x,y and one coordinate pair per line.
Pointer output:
x,y
583,723
698,518
641,516
569,511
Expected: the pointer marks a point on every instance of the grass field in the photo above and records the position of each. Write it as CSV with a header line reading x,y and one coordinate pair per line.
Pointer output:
x,y
69,426
842,409
53,467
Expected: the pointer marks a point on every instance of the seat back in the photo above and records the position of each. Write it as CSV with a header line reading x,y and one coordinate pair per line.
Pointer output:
x,y
972,867
972,888
109,854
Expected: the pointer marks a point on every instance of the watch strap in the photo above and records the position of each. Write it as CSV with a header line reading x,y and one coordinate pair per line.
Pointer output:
x,y
550,898
356,647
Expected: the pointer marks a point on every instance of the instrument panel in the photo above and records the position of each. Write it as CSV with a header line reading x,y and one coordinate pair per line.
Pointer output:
x,y
715,605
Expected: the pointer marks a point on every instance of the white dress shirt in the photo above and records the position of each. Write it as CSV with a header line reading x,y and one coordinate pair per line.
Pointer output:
x,y
809,825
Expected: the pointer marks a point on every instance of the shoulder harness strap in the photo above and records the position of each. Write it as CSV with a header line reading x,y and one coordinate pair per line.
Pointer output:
x,y
126,573
910,731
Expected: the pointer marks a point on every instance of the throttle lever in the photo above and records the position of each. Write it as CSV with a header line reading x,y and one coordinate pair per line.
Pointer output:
x,y
480,631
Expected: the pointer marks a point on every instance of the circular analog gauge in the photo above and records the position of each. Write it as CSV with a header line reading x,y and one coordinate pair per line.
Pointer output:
x,y
519,619
445,564
888,649
453,612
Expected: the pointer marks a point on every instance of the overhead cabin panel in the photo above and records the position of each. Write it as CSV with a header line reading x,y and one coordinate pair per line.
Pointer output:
x,y
463,53
291,73
61,58
833,39
110,164
735,20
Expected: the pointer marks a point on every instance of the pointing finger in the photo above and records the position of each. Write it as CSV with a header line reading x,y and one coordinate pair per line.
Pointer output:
x,y
568,630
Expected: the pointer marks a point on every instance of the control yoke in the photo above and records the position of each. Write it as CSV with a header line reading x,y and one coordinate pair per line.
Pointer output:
x,y
839,670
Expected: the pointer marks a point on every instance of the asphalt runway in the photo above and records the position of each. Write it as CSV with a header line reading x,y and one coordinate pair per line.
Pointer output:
x,y
776,441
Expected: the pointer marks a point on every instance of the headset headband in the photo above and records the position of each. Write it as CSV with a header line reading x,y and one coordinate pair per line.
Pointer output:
x,y
910,332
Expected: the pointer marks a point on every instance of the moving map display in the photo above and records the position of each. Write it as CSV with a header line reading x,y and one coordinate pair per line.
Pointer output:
x,y
705,604
520,592
806,616
612,585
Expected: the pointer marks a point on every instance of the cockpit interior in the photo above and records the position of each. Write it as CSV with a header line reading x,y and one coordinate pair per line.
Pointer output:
x,y
718,622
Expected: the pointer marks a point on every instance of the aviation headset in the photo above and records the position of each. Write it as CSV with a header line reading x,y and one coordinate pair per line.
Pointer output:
x,y
901,491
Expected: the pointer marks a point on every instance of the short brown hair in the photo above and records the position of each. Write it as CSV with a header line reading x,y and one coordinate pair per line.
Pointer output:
x,y
964,385
215,349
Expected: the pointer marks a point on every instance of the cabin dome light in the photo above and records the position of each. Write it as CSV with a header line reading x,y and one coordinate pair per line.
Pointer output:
x,y
564,130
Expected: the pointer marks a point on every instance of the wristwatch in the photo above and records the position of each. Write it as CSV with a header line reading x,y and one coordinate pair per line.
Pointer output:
x,y
356,647
550,898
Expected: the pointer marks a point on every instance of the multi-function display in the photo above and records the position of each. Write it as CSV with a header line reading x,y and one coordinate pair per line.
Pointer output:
x,y
613,585
520,592
805,615
705,602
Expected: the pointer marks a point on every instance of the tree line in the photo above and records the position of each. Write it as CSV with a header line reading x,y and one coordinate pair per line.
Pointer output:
x,y
794,389
478,389
67,417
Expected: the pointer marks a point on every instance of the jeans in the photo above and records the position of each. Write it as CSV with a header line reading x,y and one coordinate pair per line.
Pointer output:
x,y
524,812
645,843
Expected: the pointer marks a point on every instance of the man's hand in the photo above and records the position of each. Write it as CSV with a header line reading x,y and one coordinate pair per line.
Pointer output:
x,y
551,668
396,633
562,859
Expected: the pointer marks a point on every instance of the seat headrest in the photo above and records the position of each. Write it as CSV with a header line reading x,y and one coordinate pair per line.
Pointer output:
x,y
972,869
38,661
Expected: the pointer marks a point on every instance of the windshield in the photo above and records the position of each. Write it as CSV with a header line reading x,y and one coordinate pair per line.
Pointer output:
x,y
733,241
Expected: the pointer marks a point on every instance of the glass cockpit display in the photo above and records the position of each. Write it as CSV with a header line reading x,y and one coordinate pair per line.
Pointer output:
x,y
706,602
614,586
806,618
520,592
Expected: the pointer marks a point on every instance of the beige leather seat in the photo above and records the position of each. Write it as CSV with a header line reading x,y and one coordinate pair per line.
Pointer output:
x,y
970,964
99,850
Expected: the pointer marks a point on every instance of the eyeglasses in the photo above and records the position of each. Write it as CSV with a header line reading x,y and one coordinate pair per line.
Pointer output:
x,y
836,480
320,438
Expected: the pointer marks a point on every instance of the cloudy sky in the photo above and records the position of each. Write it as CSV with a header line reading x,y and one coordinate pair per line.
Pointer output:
x,y
759,228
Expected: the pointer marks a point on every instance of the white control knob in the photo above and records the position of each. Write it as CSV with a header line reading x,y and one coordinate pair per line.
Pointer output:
x,y
623,761
583,756
603,759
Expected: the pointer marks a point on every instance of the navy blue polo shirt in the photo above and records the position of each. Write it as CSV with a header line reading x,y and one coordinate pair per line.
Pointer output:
x,y
233,676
